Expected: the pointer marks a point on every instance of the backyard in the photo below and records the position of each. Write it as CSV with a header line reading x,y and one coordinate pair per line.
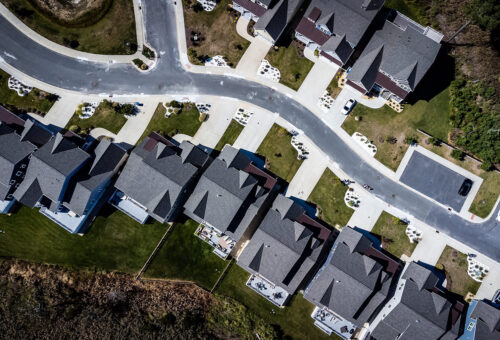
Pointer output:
x,y
391,231
114,242
280,155
230,135
107,116
184,256
107,28
36,101
294,320
213,33
186,121
388,129
292,64
454,265
328,195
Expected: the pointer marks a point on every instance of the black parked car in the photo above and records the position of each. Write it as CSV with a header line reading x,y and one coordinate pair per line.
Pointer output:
x,y
465,188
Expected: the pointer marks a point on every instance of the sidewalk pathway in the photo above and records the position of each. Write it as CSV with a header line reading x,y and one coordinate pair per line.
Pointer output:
x,y
241,28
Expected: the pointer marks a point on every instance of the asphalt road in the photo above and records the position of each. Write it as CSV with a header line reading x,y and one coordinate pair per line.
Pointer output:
x,y
169,77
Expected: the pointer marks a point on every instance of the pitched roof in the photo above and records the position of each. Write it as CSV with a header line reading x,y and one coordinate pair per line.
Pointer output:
x,y
282,250
421,313
226,196
404,54
275,19
35,133
351,284
349,18
487,321
339,45
51,165
252,7
105,161
156,173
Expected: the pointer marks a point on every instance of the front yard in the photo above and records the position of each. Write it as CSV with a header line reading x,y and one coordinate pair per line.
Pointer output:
x,y
294,320
186,121
387,129
391,231
292,64
281,156
454,265
184,256
328,195
213,33
114,242
106,116
36,101
230,135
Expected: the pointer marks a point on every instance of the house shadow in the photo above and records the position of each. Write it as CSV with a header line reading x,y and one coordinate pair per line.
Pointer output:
x,y
437,78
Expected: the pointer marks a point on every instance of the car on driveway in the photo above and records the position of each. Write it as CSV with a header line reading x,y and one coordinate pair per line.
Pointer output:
x,y
348,106
465,188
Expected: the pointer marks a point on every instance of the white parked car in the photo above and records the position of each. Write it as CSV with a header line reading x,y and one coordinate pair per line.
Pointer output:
x,y
348,106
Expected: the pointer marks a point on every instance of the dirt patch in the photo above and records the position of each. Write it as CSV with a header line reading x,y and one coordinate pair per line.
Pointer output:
x,y
40,301
73,12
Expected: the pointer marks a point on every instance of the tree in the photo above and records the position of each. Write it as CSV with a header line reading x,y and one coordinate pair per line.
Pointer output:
x,y
485,13
457,154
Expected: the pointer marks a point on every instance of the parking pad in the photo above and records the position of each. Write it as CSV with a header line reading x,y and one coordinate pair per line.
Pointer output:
x,y
434,180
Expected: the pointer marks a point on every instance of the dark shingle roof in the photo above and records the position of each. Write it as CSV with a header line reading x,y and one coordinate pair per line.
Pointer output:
x,y
421,314
487,321
155,174
282,250
351,284
405,55
275,19
51,165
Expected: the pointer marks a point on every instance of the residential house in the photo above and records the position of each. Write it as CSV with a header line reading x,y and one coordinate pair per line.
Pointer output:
x,y
271,16
229,200
285,251
335,27
352,286
158,178
483,322
61,176
18,140
396,59
419,309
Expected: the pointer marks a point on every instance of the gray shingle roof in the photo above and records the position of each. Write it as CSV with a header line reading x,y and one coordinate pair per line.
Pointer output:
x,y
105,161
487,321
35,133
346,17
406,55
275,19
12,152
282,250
49,168
351,284
340,46
156,178
421,313
226,196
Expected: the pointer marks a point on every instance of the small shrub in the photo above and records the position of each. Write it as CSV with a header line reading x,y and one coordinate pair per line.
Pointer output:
x,y
391,139
486,166
434,141
175,104
138,62
148,53
457,154
202,117
411,139
316,52
144,67
74,128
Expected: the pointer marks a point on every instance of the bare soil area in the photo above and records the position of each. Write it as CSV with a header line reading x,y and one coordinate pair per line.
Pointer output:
x,y
73,11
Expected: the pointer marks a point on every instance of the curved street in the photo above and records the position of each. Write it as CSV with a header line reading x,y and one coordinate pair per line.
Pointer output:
x,y
169,77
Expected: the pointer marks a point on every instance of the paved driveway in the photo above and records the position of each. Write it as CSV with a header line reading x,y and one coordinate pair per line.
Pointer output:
x,y
317,81
434,180
251,59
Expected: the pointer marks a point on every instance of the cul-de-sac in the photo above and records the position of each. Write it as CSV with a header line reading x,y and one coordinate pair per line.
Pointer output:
x,y
250,169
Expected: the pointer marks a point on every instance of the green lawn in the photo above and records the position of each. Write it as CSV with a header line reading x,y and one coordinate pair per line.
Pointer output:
x,y
216,31
112,33
416,10
186,122
393,235
454,265
113,242
294,320
293,68
36,100
487,195
104,117
281,157
229,137
379,124
185,257
328,195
